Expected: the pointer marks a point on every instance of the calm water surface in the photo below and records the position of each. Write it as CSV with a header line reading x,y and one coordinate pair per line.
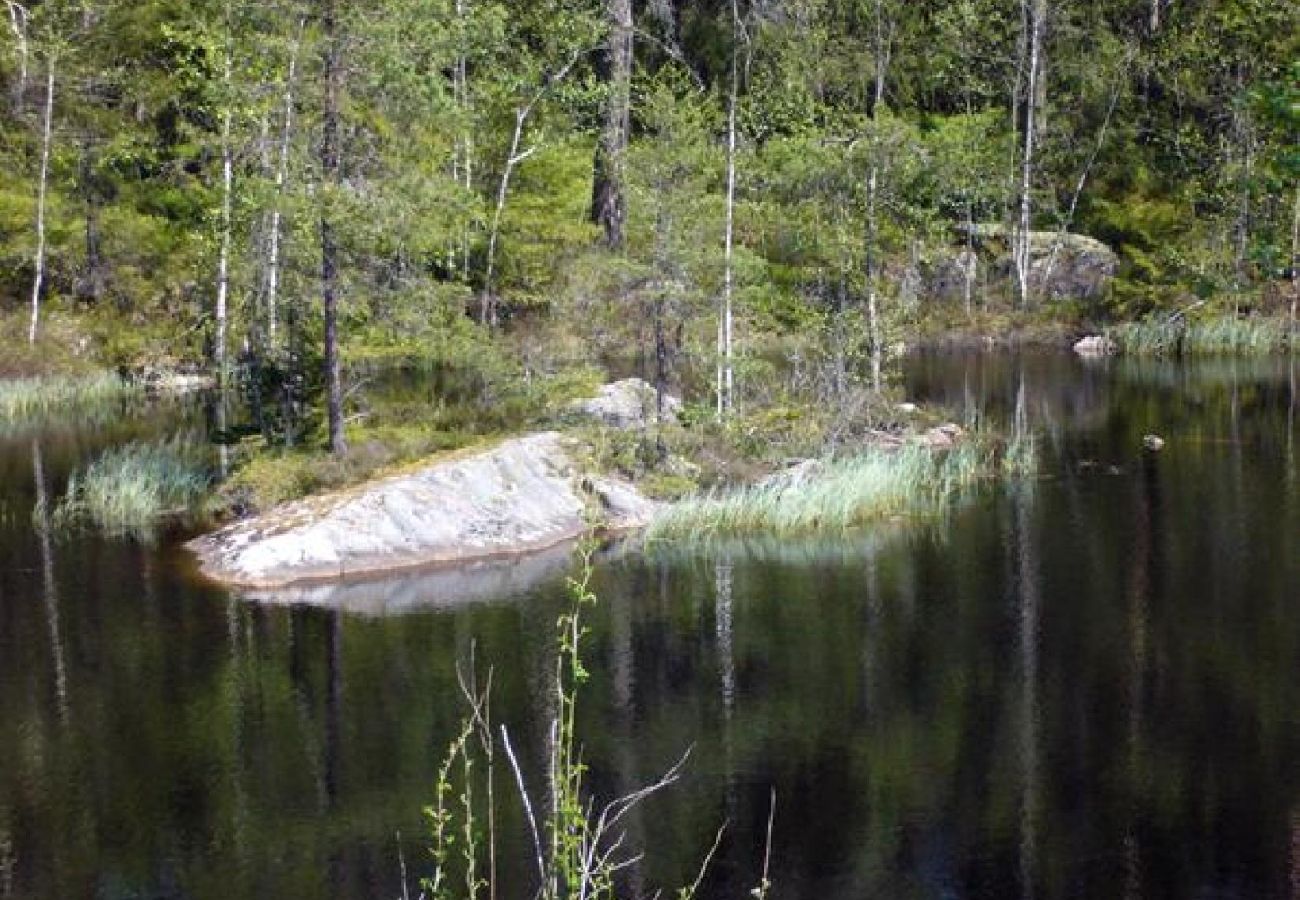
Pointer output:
x,y
1087,686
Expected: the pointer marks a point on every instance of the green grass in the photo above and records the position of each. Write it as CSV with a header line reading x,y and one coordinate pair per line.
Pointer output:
x,y
31,398
1221,334
840,495
130,489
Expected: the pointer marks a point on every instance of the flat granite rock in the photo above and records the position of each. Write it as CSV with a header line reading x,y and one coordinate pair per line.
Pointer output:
x,y
523,495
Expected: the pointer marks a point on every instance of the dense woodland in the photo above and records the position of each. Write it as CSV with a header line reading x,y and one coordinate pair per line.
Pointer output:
x,y
278,186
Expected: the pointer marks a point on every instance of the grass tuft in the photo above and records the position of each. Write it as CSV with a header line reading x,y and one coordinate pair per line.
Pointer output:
x,y
841,494
130,489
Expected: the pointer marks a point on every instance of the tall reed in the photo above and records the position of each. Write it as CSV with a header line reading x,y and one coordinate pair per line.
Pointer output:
x,y
1221,334
27,398
129,489
838,495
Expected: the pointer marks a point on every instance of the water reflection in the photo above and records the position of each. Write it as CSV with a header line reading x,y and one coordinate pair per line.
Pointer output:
x,y
41,522
1082,688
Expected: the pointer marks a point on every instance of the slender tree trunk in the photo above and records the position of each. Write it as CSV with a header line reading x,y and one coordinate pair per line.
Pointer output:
x,y
1295,259
18,22
726,375
873,304
968,264
1034,21
1245,140
93,280
223,254
487,301
331,173
881,54
608,200
281,178
463,162
42,187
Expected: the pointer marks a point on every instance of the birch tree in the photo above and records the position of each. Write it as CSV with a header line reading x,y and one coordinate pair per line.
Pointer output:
x,y
726,378
883,38
331,174
514,156
18,24
227,199
43,179
281,181
1034,17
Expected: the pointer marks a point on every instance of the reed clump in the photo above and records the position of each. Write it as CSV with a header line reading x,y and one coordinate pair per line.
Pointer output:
x,y
1219,334
843,494
130,489
30,398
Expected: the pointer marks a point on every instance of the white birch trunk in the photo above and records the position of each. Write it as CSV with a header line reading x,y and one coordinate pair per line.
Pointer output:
x,y
726,374
18,22
873,305
463,163
873,184
487,302
223,256
46,137
1022,248
281,179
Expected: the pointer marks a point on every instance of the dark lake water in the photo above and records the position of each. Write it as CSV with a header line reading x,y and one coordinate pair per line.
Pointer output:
x,y
1083,686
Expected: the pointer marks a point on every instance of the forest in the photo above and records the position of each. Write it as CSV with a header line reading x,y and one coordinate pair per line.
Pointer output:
x,y
284,191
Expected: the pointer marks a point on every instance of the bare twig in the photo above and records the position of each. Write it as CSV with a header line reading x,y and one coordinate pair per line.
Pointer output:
x,y
528,804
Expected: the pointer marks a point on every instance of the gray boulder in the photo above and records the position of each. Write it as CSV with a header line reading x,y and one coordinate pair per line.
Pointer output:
x,y
1062,265
522,496
630,403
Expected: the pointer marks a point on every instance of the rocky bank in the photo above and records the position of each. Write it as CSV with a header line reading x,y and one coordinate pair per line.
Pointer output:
x,y
526,494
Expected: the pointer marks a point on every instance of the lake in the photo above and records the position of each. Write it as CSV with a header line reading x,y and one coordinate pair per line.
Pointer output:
x,y
1086,684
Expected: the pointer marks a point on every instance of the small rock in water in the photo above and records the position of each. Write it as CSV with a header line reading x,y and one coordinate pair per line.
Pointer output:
x,y
1153,442
1095,345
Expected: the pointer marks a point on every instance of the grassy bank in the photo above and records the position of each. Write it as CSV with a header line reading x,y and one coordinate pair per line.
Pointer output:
x,y
844,493
1223,334
31,398
131,489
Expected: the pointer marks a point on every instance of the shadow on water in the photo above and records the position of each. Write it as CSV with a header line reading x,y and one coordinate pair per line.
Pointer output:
x,y
1081,687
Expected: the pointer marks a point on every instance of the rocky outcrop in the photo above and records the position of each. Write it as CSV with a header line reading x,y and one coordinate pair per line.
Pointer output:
x,y
523,495
630,403
1062,265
